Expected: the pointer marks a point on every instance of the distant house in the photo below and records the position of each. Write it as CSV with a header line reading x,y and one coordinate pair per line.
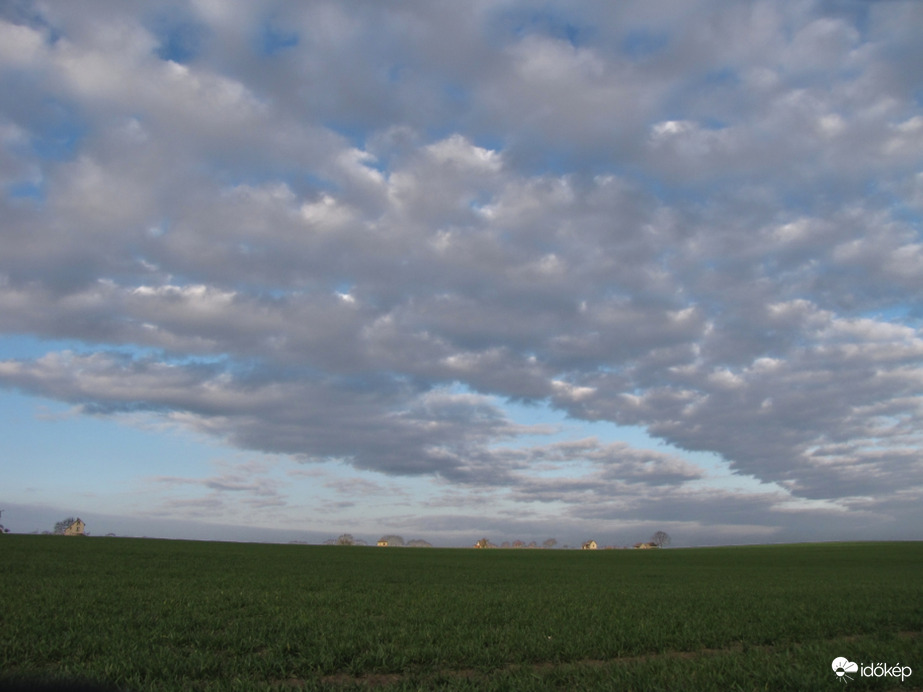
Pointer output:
x,y
391,541
484,543
590,545
78,528
645,546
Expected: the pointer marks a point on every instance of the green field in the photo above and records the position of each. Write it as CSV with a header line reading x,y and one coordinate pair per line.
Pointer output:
x,y
144,614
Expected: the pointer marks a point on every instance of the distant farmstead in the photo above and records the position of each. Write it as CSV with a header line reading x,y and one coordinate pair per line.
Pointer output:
x,y
645,546
78,528
590,545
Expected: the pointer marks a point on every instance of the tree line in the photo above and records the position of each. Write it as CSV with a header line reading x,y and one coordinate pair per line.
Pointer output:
x,y
390,541
660,539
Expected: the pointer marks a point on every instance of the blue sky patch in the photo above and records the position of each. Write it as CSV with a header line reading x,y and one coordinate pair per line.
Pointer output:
x,y
643,43
58,131
26,190
273,40
181,40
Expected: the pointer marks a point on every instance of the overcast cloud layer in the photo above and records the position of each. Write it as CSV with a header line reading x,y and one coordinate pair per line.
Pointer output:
x,y
351,232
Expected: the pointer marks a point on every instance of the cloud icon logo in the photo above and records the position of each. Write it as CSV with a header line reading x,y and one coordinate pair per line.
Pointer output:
x,y
841,666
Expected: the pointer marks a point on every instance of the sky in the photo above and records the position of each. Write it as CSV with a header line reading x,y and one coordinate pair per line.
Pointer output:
x,y
449,270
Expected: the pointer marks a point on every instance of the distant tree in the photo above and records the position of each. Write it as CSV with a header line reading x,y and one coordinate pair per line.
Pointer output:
x,y
345,539
550,543
661,539
391,540
62,525
518,544
532,544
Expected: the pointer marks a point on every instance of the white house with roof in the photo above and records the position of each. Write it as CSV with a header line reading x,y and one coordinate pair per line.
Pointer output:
x,y
78,528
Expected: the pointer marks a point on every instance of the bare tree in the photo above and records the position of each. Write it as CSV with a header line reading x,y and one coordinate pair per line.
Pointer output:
x,y
661,539
550,543
346,539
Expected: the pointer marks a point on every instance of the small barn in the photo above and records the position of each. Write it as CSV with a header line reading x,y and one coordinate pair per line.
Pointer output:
x,y
590,545
78,528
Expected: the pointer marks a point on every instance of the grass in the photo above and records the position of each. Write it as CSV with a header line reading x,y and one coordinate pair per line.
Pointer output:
x,y
160,615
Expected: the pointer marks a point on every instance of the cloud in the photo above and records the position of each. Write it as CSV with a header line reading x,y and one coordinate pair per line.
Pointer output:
x,y
253,490
357,238
382,424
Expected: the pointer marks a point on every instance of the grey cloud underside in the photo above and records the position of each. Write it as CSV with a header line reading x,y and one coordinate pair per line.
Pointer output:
x,y
703,221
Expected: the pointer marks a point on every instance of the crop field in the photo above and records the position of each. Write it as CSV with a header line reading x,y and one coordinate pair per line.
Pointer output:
x,y
138,614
